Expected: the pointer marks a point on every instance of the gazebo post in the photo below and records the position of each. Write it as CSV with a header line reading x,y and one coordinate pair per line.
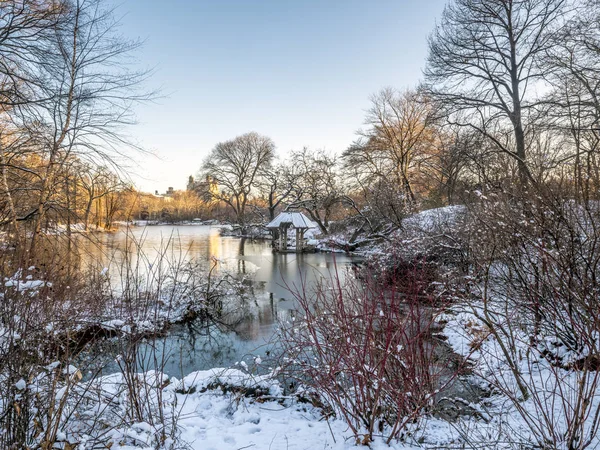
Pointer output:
x,y
283,237
281,228
300,239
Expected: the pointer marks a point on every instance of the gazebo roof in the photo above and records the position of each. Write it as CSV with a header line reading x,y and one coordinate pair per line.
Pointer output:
x,y
296,219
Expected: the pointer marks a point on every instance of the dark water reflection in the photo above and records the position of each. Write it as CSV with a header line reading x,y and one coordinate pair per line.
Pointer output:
x,y
269,277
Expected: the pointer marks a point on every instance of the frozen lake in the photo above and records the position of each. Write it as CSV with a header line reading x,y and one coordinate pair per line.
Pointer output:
x,y
268,277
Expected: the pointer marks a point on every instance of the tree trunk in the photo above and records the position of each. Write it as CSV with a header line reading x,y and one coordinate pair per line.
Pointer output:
x,y
9,199
88,209
56,145
516,118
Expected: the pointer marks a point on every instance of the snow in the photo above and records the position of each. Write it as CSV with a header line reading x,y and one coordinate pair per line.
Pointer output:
x,y
216,424
297,219
61,393
553,390
114,324
207,418
432,219
21,285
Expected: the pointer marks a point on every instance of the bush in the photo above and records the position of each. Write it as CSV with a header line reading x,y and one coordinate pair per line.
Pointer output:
x,y
367,350
535,290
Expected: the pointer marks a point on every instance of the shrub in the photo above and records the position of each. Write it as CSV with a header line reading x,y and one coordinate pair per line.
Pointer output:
x,y
367,350
535,289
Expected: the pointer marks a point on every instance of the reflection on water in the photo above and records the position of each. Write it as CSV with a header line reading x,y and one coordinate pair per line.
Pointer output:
x,y
270,279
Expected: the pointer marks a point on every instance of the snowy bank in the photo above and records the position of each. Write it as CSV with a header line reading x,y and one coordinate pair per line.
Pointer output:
x,y
204,411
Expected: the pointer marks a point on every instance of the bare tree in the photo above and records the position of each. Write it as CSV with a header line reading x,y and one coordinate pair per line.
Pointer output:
x,y
236,166
114,201
447,164
66,89
389,168
276,185
25,25
573,69
317,186
484,65
96,183
397,140
14,145
90,90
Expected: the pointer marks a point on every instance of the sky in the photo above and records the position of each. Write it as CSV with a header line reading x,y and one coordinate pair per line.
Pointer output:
x,y
298,71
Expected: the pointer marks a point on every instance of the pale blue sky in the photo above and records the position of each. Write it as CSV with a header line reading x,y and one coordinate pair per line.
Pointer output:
x,y
298,71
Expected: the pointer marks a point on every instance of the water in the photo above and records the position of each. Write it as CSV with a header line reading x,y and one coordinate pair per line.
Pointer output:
x,y
270,278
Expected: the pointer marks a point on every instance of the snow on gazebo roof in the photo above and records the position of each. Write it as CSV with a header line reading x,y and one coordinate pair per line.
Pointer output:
x,y
296,219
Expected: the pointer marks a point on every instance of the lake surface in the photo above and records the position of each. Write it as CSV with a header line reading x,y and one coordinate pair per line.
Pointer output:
x,y
269,277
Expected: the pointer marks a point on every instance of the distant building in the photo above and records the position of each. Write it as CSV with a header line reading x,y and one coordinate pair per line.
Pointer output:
x,y
167,197
206,189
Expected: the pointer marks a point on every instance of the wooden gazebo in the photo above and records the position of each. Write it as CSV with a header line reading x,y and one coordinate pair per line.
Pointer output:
x,y
286,220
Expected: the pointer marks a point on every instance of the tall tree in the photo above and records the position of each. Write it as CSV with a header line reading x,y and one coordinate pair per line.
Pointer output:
x,y
399,138
484,65
236,166
573,69
89,88
275,185
25,27
95,183
317,186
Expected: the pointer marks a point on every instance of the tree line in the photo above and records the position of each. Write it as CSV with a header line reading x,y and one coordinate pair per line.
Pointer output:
x,y
508,101
66,90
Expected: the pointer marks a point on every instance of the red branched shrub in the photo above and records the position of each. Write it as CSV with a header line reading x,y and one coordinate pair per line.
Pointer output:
x,y
367,349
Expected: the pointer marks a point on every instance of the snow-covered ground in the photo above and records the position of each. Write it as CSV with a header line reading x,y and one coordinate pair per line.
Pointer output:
x,y
507,365
425,224
435,219
199,415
